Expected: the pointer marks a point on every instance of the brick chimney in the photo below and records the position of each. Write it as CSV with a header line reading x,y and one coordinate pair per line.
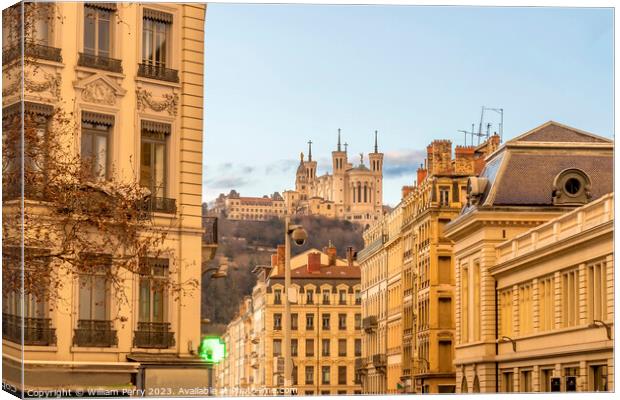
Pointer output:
x,y
314,262
350,256
439,155
406,190
421,175
464,160
280,259
331,254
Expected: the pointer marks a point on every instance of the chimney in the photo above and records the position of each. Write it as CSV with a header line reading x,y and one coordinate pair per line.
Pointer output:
x,y
280,255
350,256
421,175
274,260
314,262
406,190
331,254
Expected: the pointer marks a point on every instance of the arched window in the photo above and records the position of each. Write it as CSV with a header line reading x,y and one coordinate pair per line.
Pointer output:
x,y
476,388
464,385
365,194
359,192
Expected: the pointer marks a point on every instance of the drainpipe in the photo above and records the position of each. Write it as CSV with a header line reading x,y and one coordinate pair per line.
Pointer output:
x,y
496,342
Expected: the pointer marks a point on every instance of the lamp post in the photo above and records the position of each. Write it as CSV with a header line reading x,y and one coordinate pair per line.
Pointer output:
x,y
597,322
299,236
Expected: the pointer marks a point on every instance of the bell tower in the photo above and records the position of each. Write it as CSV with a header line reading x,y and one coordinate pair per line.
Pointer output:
x,y
339,165
376,167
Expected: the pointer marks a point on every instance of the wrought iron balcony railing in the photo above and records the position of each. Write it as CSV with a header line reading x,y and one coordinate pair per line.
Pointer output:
x,y
100,62
369,324
36,331
33,50
158,72
159,204
94,333
379,360
153,335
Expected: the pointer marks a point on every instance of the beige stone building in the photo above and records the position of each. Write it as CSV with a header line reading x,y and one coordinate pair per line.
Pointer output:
x,y
237,207
325,326
235,370
533,258
352,193
132,75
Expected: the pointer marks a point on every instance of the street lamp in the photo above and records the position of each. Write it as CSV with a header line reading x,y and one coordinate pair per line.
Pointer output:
x,y
597,322
299,236
508,339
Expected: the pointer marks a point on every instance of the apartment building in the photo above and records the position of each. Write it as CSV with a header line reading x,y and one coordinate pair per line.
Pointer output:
x,y
325,325
235,368
533,260
237,207
131,75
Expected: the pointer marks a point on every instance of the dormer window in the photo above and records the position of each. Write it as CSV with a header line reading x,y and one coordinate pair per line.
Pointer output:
x,y
571,187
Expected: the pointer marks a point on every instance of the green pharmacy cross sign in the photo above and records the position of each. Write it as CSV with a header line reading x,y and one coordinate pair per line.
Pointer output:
x,y
212,349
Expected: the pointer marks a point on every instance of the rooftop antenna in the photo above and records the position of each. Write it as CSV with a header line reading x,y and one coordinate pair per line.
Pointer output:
x,y
488,130
472,133
500,111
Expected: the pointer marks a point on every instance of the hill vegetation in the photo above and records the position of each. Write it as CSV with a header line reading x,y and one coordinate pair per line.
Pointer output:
x,y
250,243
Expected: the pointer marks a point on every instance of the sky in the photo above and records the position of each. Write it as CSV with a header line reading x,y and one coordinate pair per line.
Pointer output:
x,y
277,76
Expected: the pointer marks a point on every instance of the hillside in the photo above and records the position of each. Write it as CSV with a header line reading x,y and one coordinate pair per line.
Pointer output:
x,y
250,243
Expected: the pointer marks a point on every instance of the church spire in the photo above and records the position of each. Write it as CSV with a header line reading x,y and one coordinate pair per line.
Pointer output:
x,y
339,149
309,150
376,146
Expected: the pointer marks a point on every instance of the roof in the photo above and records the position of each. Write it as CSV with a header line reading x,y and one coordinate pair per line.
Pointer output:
x,y
326,272
522,172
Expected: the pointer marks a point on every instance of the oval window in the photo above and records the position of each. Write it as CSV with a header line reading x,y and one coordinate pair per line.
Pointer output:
x,y
572,186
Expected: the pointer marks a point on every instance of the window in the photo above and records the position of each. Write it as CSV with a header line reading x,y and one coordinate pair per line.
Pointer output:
x,y
507,381
358,321
98,29
342,321
525,309
325,347
94,288
598,378
277,347
342,347
445,355
295,373
445,313
294,346
153,293
309,376
294,321
153,157
277,296
277,321
325,322
444,193
597,291
570,298
95,143
309,347
506,312
325,296
309,321
342,375
156,31
342,297
358,296
309,296
525,382
545,379
546,303
464,298
358,347
325,375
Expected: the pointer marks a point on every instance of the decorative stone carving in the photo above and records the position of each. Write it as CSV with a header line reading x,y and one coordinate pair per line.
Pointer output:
x,y
169,103
50,84
99,92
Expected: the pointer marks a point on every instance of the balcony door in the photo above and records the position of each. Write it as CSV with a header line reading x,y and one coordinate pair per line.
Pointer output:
x,y
153,158
98,29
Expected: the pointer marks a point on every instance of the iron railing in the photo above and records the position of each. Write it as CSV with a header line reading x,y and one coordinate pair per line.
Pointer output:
x,y
369,324
36,331
379,360
33,50
158,72
153,335
100,62
94,333
159,204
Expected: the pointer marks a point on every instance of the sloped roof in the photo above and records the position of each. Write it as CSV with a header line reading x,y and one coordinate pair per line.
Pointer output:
x,y
552,131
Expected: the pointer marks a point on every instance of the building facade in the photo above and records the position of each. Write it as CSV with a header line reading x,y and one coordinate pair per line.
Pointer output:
x,y
352,193
534,272
325,325
237,207
132,75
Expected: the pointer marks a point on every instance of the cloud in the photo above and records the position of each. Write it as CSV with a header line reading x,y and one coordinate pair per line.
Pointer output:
x,y
229,182
402,163
281,166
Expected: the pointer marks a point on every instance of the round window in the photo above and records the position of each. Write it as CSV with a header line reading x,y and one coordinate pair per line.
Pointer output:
x,y
572,186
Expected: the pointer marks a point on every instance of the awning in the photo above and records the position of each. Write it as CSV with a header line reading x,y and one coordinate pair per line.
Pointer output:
x,y
159,16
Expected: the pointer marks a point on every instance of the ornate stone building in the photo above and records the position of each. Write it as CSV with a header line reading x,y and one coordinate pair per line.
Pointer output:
x,y
237,207
352,193
131,74
533,263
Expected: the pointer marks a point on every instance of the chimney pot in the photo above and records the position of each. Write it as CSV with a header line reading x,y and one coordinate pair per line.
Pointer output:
x,y
314,262
350,256
280,255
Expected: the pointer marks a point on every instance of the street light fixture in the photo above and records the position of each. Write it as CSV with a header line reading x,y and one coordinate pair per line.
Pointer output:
x,y
299,236
597,322
508,339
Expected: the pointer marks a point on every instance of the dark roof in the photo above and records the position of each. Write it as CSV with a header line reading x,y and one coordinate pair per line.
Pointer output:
x,y
528,178
555,132
326,272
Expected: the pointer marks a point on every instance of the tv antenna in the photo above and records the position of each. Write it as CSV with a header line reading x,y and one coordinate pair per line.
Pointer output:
x,y
471,133
498,110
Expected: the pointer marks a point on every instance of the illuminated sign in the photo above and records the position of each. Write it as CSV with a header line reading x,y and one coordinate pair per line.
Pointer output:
x,y
212,349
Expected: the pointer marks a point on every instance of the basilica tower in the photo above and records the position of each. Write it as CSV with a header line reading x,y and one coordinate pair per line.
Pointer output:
x,y
339,167
376,167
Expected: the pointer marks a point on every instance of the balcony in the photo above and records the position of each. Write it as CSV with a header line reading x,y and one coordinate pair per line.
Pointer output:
x,y
32,50
94,333
100,62
379,360
369,324
360,364
37,331
153,335
159,204
158,72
